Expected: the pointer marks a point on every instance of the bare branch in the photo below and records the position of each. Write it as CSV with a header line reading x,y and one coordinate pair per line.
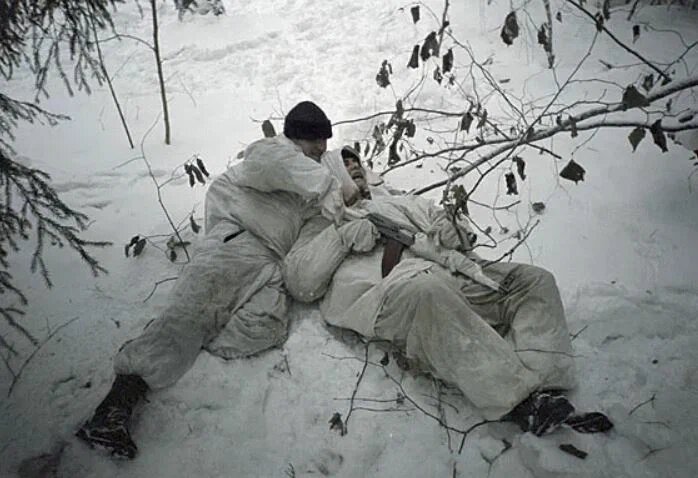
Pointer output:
x,y
618,42
16,378
566,125
119,36
157,284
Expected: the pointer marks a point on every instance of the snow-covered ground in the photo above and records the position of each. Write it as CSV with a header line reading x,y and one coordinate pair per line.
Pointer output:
x,y
622,245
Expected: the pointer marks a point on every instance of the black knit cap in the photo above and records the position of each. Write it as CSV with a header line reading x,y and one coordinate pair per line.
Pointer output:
x,y
307,121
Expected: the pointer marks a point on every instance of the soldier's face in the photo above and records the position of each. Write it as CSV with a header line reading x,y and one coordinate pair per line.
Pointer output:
x,y
313,148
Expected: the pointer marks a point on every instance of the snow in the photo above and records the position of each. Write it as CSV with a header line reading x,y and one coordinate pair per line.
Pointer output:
x,y
622,245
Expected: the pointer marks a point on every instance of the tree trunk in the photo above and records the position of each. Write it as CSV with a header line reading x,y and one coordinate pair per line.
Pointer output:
x,y
156,49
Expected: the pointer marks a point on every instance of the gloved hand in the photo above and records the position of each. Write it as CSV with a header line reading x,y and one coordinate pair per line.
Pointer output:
x,y
449,235
359,235
460,263
426,248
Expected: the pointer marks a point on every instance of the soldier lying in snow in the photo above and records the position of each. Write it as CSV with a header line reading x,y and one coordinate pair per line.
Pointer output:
x,y
499,334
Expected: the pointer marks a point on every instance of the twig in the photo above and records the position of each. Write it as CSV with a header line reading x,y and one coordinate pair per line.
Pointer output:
x,y
392,112
129,161
345,425
11,350
161,281
158,188
566,125
649,400
119,36
404,394
620,43
186,90
496,208
419,407
511,251
577,334
375,400
473,427
490,463
443,27
391,409
558,352
16,378
632,10
111,86
158,64
652,451
549,38
442,411
657,422
7,312
7,365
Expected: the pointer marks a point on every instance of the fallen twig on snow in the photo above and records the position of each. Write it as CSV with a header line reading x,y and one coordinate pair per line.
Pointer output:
x,y
161,281
16,378
649,400
574,336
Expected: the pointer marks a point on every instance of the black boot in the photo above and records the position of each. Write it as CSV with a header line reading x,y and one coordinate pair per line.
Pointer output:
x,y
593,422
541,412
108,427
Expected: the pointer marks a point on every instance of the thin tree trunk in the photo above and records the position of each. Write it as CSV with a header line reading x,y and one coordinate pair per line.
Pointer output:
x,y
156,49
111,87
549,40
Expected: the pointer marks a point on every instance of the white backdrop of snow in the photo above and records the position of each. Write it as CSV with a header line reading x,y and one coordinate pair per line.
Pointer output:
x,y
622,245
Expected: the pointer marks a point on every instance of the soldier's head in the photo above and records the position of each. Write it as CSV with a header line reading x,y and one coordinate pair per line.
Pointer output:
x,y
352,162
308,126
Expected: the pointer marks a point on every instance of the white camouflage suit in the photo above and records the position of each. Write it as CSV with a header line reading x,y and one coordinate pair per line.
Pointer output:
x,y
496,346
230,299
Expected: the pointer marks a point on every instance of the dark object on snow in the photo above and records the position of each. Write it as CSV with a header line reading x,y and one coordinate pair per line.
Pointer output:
x,y
307,121
336,423
108,427
593,422
636,32
573,450
541,412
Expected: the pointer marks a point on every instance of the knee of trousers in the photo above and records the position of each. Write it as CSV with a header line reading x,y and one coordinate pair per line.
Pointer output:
x,y
528,275
422,286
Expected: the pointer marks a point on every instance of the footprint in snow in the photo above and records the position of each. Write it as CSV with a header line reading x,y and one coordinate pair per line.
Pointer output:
x,y
326,462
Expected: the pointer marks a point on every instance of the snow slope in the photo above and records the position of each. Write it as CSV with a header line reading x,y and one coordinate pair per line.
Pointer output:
x,y
622,245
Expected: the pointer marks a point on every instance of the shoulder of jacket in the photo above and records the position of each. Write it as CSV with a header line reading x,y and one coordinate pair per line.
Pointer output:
x,y
278,145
